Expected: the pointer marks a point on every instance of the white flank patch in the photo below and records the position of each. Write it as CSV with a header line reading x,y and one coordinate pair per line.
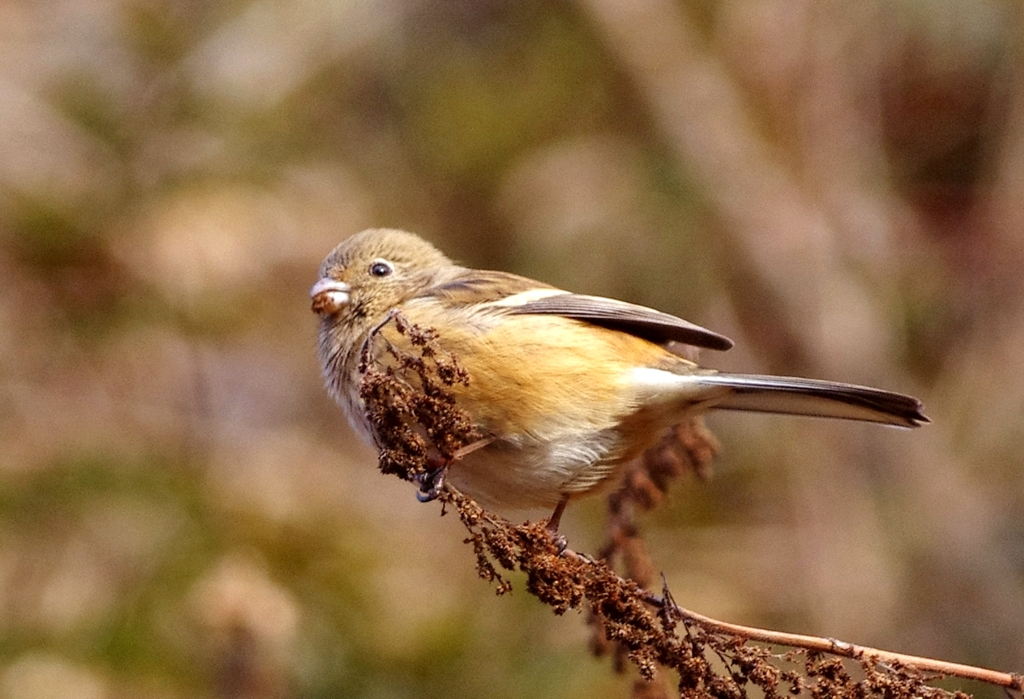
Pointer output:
x,y
665,384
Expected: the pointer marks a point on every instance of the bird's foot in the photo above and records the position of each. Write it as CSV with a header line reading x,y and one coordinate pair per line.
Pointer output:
x,y
431,484
560,542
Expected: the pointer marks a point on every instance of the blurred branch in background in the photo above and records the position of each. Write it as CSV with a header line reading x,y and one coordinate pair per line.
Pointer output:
x,y
836,187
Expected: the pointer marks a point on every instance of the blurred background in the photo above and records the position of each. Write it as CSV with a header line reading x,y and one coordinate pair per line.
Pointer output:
x,y
184,513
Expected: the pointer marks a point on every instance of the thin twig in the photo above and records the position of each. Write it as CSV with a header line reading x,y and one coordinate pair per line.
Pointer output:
x,y
834,646
847,650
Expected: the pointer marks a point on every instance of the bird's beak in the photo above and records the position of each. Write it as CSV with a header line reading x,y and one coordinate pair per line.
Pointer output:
x,y
329,296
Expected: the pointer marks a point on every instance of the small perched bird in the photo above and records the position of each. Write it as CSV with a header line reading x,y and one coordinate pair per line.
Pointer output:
x,y
564,388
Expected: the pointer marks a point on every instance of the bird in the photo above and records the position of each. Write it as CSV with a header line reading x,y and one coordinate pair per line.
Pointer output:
x,y
565,389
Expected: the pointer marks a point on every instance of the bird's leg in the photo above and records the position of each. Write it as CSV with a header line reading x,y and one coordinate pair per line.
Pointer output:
x,y
552,526
470,448
556,516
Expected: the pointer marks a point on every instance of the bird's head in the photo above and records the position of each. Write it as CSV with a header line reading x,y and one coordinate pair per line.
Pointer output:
x,y
372,272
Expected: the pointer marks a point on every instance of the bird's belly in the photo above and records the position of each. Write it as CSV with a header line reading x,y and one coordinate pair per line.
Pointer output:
x,y
527,473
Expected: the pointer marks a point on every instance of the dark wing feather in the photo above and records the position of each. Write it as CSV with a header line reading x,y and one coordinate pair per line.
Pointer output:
x,y
640,321
483,286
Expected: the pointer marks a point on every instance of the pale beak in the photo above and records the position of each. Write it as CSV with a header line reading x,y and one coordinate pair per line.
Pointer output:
x,y
329,296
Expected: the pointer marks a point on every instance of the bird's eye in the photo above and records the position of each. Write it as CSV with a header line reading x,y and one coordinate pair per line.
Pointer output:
x,y
380,268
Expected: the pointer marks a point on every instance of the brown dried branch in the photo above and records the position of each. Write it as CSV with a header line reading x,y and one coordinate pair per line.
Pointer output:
x,y
421,431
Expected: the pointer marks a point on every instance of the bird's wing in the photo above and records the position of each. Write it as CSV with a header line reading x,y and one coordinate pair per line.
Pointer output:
x,y
641,321
519,296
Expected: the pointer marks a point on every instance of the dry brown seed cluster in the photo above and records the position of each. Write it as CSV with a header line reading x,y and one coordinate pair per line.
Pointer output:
x,y
417,424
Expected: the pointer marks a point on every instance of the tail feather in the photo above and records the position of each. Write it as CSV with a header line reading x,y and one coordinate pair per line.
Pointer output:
x,y
796,396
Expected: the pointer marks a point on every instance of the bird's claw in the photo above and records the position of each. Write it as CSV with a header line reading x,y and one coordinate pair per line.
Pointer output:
x,y
560,542
431,484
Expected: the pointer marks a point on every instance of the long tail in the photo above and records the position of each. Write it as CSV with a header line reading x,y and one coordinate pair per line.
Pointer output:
x,y
794,396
